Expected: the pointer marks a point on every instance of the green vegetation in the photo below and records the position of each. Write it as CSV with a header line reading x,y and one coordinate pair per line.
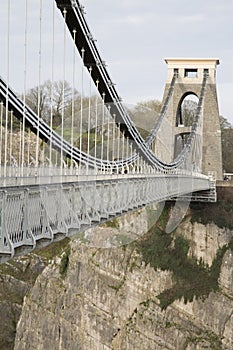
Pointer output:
x,y
145,110
118,286
19,270
59,248
112,223
8,295
218,213
133,265
145,303
26,269
165,252
80,236
227,144
53,249
65,262
209,340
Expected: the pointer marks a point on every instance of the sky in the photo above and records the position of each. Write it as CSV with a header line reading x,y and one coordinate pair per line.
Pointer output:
x,y
134,37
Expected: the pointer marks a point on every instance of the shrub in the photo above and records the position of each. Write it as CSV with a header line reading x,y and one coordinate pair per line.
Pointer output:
x,y
65,262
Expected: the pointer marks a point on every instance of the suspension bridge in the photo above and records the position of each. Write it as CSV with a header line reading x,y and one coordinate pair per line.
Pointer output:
x,y
71,154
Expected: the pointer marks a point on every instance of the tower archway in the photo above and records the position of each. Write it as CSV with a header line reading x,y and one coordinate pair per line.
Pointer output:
x,y
187,109
185,116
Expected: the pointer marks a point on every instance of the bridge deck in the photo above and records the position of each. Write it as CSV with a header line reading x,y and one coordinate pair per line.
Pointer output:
x,y
38,214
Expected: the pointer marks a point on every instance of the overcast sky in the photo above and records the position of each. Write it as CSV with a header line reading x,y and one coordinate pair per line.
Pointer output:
x,y
134,37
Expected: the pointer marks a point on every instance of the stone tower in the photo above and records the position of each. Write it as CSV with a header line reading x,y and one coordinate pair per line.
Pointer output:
x,y
190,73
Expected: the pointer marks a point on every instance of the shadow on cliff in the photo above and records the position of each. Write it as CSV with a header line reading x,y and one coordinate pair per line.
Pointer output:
x,y
165,251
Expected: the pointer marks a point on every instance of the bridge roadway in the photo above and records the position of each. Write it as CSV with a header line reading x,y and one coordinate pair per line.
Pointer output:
x,y
46,209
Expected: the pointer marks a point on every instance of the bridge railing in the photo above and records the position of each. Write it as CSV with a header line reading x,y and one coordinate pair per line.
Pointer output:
x,y
36,215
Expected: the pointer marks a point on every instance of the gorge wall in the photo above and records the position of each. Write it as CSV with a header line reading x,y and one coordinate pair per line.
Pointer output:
x,y
162,291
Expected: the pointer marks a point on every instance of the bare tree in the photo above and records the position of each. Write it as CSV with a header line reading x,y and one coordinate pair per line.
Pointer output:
x,y
145,115
188,111
51,97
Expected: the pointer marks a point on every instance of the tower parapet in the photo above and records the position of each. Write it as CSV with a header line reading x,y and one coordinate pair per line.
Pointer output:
x,y
191,70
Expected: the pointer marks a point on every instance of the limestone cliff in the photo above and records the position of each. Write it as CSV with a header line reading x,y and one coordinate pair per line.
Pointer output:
x,y
17,278
164,291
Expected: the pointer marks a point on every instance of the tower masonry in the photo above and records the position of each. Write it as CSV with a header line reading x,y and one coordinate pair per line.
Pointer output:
x,y
190,72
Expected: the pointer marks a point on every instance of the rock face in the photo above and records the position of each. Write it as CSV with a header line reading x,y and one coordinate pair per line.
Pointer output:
x,y
16,279
102,299
205,240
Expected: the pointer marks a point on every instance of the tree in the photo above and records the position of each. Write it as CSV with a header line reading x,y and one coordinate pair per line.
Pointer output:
x,y
227,150
57,95
188,110
154,105
224,123
144,115
227,144
36,99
